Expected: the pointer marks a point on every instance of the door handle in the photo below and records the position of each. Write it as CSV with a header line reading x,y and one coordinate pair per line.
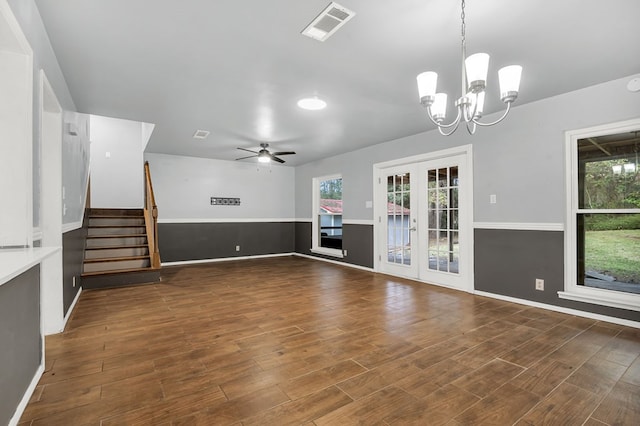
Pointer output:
x,y
413,228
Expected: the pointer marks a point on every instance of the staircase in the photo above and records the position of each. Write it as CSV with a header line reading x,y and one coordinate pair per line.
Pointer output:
x,y
117,249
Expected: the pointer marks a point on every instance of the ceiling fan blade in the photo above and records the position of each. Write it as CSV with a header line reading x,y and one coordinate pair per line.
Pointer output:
x,y
248,150
283,153
276,159
244,158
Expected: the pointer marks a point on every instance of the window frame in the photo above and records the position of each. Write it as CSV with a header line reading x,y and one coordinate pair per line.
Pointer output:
x,y
315,228
572,290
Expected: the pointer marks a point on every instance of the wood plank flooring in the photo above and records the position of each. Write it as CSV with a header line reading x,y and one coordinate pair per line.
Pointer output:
x,y
293,341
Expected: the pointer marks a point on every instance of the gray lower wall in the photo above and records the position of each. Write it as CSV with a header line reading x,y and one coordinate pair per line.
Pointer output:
x,y
356,239
20,338
303,238
198,241
507,262
72,257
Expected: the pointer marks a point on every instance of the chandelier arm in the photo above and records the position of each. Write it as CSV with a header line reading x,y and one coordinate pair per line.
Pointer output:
x,y
471,127
475,108
497,121
468,114
455,122
430,116
450,132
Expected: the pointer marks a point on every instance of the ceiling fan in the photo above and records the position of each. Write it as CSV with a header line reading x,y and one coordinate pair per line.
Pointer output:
x,y
264,156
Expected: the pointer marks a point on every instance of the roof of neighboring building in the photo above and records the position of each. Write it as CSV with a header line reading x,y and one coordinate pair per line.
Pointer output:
x,y
396,209
331,206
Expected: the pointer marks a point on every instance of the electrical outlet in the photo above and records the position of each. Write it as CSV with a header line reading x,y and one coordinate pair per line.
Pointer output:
x,y
344,253
74,281
237,248
539,284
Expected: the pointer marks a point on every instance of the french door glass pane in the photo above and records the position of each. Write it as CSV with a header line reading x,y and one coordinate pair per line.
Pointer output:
x,y
442,219
453,254
454,218
398,219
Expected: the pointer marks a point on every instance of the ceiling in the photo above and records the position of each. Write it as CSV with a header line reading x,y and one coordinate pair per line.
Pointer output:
x,y
237,67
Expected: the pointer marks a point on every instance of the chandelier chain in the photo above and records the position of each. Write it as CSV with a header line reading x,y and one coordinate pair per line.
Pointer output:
x,y
462,16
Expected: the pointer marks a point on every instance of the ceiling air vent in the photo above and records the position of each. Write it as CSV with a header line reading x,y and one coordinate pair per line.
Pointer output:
x,y
200,134
328,21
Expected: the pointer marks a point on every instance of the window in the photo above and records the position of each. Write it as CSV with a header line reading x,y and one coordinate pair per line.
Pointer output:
x,y
327,215
603,224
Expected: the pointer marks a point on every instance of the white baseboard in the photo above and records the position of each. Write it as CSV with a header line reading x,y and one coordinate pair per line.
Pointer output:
x,y
224,259
70,311
351,265
584,314
27,396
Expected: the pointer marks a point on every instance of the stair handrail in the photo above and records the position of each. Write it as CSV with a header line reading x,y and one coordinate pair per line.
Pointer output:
x,y
151,217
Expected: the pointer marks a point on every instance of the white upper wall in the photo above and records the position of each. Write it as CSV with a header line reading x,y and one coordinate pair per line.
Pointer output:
x,y
183,187
521,160
147,130
117,173
75,149
27,14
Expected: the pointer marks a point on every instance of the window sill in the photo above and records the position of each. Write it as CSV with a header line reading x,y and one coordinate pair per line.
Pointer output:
x,y
327,252
627,301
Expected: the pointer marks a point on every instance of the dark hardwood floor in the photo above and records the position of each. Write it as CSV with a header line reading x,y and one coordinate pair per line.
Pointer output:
x,y
294,341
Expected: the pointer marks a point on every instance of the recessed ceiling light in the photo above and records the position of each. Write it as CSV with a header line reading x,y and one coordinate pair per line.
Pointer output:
x,y
201,134
312,104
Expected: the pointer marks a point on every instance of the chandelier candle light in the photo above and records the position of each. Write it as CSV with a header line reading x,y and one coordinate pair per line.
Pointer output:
x,y
474,80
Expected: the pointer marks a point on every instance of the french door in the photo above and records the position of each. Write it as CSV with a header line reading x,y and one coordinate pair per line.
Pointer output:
x,y
424,232
399,224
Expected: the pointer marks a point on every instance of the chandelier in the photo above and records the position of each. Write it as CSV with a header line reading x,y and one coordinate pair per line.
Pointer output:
x,y
474,80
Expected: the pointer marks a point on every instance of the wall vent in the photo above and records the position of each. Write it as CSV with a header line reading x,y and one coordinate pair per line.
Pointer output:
x,y
328,22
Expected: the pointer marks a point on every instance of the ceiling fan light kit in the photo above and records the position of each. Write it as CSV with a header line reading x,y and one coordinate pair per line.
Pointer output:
x,y
264,155
470,105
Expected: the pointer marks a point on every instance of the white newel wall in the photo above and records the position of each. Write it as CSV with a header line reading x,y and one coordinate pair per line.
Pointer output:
x,y
117,179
